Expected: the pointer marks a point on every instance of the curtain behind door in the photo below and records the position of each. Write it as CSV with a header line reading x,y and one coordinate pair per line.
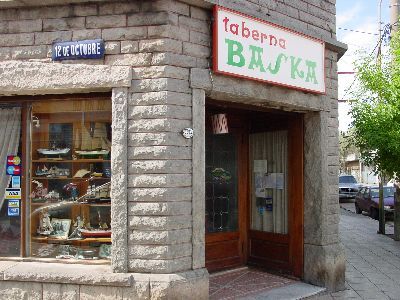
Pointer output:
x,y
272,148
10,129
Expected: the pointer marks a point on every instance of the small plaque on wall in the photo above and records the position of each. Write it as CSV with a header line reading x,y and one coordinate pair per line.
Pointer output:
x,y
87,49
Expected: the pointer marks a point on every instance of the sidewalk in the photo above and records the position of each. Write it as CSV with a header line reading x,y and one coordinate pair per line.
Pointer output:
x,y
373,260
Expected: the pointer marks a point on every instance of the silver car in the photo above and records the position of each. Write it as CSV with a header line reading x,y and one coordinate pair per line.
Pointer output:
x,y
348,187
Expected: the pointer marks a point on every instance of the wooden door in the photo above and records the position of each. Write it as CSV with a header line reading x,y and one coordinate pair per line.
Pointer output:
x,y
226,196
276,194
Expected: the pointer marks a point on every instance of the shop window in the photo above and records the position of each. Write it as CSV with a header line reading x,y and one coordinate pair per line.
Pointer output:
x,y
70,173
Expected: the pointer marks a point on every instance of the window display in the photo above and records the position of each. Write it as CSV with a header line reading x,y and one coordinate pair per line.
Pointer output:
x,y
69,200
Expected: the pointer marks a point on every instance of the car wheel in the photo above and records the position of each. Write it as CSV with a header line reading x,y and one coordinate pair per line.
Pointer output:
x,y
358,209
374,213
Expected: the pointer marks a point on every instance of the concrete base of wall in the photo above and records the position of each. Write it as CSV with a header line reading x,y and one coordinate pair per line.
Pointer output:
x,y
40,281
325,266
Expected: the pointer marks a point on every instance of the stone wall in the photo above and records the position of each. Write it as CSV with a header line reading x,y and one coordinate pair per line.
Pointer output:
x,y
167,45
157,40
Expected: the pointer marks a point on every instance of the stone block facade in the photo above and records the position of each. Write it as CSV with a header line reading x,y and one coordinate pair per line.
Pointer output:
x,y
157,63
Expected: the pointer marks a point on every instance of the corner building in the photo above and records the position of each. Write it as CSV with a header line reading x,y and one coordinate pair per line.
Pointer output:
x,y
149,143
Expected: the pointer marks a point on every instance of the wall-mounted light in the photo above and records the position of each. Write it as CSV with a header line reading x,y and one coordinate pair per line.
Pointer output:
x,y
35,121
187,133
219,124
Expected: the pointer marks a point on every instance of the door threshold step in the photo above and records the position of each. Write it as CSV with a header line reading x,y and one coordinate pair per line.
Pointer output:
x,y
244,268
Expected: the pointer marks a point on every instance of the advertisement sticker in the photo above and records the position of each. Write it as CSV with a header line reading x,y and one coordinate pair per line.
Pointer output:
x,y
13,160
13,211
12,194
16,181
13,170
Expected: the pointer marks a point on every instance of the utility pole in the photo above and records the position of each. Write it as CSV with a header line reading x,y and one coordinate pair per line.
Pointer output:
x,y
381,204
394,19
394,14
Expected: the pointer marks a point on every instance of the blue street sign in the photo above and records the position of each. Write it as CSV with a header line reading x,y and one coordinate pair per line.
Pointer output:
x,y
87,49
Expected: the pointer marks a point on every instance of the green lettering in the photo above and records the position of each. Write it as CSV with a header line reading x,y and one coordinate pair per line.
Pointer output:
x,y
256,60
278,63
235,50
311,65
294,63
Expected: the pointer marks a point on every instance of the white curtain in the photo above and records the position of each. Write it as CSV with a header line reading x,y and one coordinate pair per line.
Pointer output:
x,y
10,130
272,148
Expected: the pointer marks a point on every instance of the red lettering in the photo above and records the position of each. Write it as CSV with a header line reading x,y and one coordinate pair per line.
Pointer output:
x,y
226,20
263,36
255,35
272,38
245,30
282,43
235,28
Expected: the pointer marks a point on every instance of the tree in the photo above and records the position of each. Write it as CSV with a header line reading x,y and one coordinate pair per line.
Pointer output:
x,y
376,111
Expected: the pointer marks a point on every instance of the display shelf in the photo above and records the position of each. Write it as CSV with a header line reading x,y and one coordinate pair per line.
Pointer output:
x,y
83,241
69,203
87,160
71,178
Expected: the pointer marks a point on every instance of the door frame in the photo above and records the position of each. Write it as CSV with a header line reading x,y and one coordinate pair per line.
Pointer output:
x,y
241,115
289,248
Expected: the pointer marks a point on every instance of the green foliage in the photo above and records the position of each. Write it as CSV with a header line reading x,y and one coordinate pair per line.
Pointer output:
x,y
376,111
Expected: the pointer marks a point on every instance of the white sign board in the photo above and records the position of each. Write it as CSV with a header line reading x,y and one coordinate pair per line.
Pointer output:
x,y
255,49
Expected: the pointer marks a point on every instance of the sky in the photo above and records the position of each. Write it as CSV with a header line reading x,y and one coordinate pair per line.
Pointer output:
x,y
358,15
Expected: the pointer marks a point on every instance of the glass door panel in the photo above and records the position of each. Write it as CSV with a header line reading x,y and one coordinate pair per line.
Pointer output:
x,y
221,183
269,191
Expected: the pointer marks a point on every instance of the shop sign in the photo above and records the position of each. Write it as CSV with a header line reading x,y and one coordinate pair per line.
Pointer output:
x,y
12,194
13,208
259,50
87,49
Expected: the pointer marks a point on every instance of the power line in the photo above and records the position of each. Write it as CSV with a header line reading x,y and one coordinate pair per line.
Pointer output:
x,y
372,52
358,31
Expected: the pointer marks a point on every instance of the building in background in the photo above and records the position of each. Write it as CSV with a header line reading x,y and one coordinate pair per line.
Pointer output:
x,y
364,174
150,143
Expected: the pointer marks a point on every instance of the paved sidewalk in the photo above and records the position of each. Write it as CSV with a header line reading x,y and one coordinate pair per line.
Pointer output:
x,y
373,260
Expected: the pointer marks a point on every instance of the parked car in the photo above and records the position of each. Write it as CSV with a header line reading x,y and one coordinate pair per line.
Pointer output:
x,y
367,200
348,187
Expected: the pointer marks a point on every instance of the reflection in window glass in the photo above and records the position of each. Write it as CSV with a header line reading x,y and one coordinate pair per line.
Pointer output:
x,y
70,180
10,203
